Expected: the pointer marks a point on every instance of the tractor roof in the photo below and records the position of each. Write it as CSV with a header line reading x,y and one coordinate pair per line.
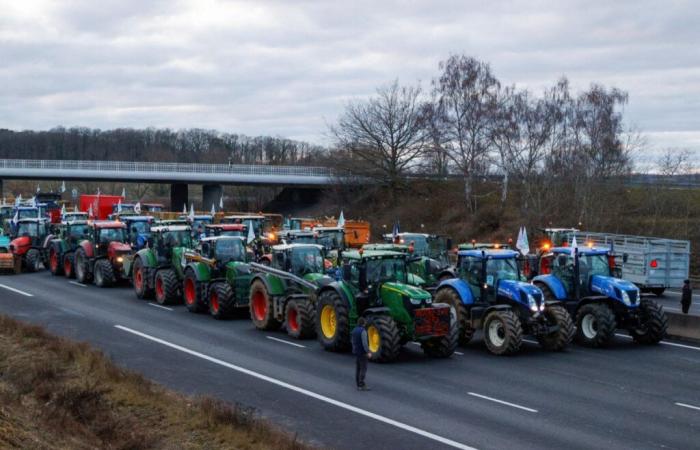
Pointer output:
x,y
222,238
172,222
75,222
227,226
372,254
27,207
295,233
558,230
581,250
108,224
32,220
386,247
166,228
196,217
130,218
482,246
489,253
246,217
283,247
328,229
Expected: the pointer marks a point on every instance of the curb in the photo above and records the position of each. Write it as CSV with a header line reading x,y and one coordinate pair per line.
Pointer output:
x,y
684,326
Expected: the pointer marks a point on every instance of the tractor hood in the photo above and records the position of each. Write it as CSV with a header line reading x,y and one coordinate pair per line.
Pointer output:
x,y
406,290
118,248
521,292
19,243
621,290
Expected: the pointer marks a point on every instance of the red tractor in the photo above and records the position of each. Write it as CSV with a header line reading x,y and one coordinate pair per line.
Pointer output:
x,y
27,247
101,256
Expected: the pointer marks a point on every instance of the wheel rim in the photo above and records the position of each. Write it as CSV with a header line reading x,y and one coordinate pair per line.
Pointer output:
x,y
293,319
214,302
373,338
54,262
159,287
589,326
66,266
328,321
138,279
259,305
497,333
189,292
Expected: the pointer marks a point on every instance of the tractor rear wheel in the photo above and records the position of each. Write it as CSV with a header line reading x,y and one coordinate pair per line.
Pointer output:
x,y
166,287
55,265
141,281
444,346
32,260
299,318
654,323
451,297
558,340
69,265
222,301
383,338
104,273
81,267
191,290
595,323
503,332
262,311
333,322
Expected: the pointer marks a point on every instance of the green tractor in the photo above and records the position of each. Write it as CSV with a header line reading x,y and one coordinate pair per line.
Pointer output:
x,y
285,291
374,285
430,254
62,248
217,276
156,270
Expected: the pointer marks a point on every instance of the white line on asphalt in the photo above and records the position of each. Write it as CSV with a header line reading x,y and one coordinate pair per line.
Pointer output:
x,y
160,306
672,344
26,294
78,284
303,391
530,342
285,342
474,394
459,353
685,405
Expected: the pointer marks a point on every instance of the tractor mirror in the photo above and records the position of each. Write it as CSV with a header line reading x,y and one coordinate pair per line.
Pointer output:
x,y
625,256
347,272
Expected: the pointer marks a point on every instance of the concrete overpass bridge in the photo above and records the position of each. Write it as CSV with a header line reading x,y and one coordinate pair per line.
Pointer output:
x,y
211,176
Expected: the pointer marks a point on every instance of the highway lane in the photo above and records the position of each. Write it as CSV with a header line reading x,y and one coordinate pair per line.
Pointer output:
x,y
624,397
671,301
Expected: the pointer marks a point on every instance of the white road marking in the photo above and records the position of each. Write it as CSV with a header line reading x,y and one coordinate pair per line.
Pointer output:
x,y
160,306
291,387
78,284
685,405
502,402
672,344
459,353
285,342
456,352
530,342
17,291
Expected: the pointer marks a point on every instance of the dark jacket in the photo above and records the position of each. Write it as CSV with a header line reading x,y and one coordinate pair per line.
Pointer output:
x,y
687,294
360,346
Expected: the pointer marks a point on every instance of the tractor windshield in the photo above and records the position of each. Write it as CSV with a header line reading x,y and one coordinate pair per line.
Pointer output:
x,y
500,269
331,240
593,265
28,214
78,231
140,227
307,260
386,270
230,250
32,229
437,250
107,235
174,239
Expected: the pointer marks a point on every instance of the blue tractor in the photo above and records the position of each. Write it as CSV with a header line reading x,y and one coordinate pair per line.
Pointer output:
x,y
582,279
138,229
489,293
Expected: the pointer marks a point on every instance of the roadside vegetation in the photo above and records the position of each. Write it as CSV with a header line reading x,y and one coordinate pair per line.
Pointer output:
x,y
56,393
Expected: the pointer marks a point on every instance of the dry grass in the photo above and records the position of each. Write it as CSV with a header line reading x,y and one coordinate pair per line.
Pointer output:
x,y
55,393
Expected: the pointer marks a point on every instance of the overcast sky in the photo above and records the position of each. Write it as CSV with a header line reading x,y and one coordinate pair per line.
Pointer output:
x,y
287,67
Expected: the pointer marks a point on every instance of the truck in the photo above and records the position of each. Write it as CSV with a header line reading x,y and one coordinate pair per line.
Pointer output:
x,y
102,205
100,255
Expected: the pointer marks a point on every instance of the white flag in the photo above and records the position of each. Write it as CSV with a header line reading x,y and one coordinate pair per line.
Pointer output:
x,y
523,245
63,187
184,209
574,246
34,201
124,193
90,213
137,208
18,200
119,207
251,234
213,210
191,216
63,211
15,219
341,220
75,208
38,188
221,202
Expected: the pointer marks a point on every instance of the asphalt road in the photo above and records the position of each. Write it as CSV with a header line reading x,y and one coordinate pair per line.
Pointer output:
x,y
671,301
627,396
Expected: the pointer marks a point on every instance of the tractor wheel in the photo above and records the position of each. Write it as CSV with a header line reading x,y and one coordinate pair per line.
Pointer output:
x,y
81,267
299,318
261,308
595,323
383,338
69,265
445,346
140,281
32,260
17,266
55,265
503,332
167,288
104,273
654,323
222,301
332,322
191,290
464,329
558,340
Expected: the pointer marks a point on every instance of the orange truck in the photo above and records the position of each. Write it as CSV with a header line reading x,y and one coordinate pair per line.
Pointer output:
x,y
357,232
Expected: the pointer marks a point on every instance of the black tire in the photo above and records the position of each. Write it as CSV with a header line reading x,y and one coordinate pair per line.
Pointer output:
x,y
140,280
55,264
222,301
595,325
560,339
167,287
464,330
384,339
338,339
104,273
503,333
80,264
654,324
299,318
445,346
192,292
69,265
32,260
262,311
659,292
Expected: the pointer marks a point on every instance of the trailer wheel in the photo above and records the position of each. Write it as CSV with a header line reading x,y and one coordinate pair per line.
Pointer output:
x,y
104,273
190,288
261,307
558,340
222,301
503,332
166,287
299,318
80,266
140,280
595,325
332,322
32,260
69,265
464,330
383,338
654,323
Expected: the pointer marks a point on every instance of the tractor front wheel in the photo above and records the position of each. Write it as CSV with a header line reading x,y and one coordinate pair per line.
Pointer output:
x,y
55,265
654,323
166,287
299,318
141,281
333,322
69,265
452,298
104,273
383,338
81,267
595,323
503,332
222,301
32,260
557,340
261,307
190,288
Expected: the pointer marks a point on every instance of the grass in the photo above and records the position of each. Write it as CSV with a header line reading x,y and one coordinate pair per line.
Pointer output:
x,y
56,393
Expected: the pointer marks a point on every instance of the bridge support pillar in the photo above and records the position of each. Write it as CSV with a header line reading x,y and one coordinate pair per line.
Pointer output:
x,y
2,192
178,196
211,194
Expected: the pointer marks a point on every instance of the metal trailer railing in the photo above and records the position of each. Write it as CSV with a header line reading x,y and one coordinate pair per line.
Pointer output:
x,y
649,262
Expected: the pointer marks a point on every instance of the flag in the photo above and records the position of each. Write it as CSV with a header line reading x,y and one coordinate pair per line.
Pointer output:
x,y
191,216
63,187
251,234
574,246
341,220
63,211
98,190
34,201
137,207
184,209
38,188
90,213
221,202
396,230
15,219
213,210
119,207
522,244
75,208
18,200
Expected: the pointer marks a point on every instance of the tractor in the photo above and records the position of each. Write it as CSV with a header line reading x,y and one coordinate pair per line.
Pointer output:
x,y
138,230
28,243
198,223
100,256
157,268
374,285
8,262
217,276
61,249
285,291
226,229
489,294
431,255
582,279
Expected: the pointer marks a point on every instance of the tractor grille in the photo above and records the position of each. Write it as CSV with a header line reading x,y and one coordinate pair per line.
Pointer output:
x,y
633,296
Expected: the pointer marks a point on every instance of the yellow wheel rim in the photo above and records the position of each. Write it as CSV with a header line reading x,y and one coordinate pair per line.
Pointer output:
x,y
374,339
328,321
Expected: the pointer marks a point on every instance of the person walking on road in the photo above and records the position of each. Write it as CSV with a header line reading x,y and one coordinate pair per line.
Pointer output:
x,y
360,348
686,296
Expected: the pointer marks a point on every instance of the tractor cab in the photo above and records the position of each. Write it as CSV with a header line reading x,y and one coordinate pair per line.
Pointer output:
x,y
152,207
138,229
30,232
299,259
554,237
430,246
259,223
223,249
226,229
296,223
75,216
75,231
123,209
298,237
332,238
473,245
164,239
197,223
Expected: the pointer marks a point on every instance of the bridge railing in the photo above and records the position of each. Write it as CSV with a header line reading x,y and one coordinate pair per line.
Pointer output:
x,y
165,167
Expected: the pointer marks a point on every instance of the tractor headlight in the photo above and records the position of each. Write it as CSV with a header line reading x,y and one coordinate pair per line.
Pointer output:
x,y
428,301
120,259
416,301
625,298
542,305
532,303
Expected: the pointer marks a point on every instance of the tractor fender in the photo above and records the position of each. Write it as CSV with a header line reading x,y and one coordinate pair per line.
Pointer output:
x,y
87,248
448,272
47,241
378,311
459,286
269,285
201,271
337,287
58,246
147,257
553,283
